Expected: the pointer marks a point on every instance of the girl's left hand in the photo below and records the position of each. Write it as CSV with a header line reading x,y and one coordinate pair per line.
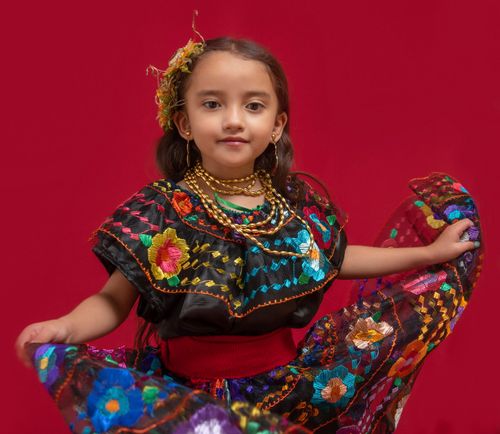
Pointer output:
x,y
448,245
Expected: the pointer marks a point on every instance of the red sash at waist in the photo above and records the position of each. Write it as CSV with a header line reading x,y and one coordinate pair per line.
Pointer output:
x,y
209,357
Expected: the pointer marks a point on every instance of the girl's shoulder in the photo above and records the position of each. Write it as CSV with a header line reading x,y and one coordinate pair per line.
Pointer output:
x,y
305,190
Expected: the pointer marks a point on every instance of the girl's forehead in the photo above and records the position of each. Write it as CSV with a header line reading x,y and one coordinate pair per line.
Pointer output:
x,y
220,70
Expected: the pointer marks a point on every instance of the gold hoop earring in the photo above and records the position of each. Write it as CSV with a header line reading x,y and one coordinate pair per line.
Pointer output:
x,y
273,139
188,162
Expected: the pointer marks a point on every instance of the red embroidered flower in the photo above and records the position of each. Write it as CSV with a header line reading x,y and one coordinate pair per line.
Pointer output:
x,y
182,203
412,355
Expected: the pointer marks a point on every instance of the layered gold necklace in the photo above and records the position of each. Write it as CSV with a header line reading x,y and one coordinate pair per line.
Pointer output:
x,y
278,212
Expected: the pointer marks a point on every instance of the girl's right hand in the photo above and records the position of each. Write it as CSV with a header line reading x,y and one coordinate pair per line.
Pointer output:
x,y
55,330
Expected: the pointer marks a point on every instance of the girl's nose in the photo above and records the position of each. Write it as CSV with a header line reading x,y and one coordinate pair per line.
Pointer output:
x,y
233,119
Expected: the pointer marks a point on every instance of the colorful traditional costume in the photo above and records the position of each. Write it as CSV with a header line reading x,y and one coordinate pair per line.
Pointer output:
x,y
224,309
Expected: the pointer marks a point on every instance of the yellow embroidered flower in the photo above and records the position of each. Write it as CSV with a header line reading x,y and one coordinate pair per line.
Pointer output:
x,y
167,254
366,332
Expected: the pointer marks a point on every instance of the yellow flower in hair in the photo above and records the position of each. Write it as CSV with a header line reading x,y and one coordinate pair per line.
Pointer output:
x,y
166,94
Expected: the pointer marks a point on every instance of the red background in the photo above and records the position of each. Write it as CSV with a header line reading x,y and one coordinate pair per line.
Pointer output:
x,y
381,92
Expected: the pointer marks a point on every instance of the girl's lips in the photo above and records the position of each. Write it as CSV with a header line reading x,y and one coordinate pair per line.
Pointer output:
x,y
233,142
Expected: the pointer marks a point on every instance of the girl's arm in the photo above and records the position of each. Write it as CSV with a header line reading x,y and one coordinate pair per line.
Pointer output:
x,y
365,262
94,317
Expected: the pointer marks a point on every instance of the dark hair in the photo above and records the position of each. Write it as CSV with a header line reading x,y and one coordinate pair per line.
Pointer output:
x,y
171,148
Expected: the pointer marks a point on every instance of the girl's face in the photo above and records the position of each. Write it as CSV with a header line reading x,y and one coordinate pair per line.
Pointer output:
x,y
231,111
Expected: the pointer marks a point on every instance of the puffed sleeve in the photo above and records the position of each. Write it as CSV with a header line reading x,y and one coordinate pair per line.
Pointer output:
x,y
326,221
122,242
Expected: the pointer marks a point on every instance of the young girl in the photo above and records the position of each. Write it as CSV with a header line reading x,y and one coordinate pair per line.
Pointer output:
x,y
230,251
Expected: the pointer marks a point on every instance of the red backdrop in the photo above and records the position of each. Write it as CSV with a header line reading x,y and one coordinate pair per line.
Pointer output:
x,y
381,92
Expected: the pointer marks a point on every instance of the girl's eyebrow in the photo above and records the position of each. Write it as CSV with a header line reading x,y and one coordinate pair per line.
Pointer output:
x,y
247,94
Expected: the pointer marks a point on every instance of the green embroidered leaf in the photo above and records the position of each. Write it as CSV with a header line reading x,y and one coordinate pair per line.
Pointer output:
x,y
376,316
173,281
397,382
304,278
394,232
419,203
445,287
331,219
147,240
253,427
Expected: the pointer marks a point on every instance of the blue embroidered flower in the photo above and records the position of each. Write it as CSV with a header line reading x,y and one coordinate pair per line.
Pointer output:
x,y
334,387
208,419
454,212
315,265
114,400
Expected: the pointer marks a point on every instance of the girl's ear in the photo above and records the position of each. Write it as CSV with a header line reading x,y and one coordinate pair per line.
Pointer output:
x,y
279,124
182,123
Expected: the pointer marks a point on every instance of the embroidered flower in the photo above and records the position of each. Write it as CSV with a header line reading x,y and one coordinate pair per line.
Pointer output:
x,y
334,387
320,227
208,419
182,203
315,264
150,395
167,254
367,332
48,358
412,355
114,400
455,212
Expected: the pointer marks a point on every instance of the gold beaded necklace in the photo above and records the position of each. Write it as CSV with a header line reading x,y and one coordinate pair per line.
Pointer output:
x,y
278,203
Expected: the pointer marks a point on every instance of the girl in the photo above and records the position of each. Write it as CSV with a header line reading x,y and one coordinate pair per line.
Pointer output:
x,y
230,251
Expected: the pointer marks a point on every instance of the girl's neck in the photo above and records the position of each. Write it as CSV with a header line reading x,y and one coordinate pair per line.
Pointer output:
x,y
229,172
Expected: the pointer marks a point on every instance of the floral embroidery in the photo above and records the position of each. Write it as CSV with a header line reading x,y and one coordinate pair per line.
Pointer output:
x,y
45,360
182,203
167,254
455,212
320,227
114,400
412,355
48,358
150,396
367,332
335,387
208,419
315,265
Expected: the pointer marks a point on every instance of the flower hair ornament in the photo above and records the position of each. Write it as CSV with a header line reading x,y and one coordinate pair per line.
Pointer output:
x,y
168,80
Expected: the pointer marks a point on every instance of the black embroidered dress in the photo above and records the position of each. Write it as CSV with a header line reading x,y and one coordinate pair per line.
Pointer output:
x,y
352,372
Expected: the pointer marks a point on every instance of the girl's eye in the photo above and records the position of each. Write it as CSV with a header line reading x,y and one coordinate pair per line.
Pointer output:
x,y
254,106
211,104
